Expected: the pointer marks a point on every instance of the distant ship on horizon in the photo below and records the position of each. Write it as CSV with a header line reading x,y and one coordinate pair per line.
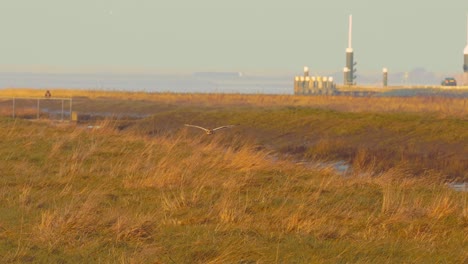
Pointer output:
x,y
214,74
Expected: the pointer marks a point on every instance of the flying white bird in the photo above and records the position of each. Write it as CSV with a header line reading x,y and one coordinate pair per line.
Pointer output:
x,y
209,131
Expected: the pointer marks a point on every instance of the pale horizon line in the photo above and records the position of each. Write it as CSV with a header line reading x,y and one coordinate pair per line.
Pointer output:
x,y
46,69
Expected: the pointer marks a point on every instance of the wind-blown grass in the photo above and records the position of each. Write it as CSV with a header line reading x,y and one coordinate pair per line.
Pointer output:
x,y
72,194
144,102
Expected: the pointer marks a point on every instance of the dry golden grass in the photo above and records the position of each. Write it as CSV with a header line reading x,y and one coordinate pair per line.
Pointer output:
x,y
440,105
72,194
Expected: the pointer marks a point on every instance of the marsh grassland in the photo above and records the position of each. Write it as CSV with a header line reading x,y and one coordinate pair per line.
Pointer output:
x,y
149,190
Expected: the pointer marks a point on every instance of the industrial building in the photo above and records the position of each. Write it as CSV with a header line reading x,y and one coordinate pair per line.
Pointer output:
x,y
313,85
322,85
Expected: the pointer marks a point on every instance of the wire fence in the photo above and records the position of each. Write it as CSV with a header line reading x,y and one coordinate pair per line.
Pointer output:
x,y
37,108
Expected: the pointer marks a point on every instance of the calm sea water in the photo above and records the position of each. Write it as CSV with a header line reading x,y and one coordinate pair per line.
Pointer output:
x,y
188,83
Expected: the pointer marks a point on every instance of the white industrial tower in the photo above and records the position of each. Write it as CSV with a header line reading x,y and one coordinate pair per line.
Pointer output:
x,y
349,70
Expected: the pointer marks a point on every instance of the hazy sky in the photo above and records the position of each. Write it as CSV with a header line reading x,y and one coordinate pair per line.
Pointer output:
x,y
241,35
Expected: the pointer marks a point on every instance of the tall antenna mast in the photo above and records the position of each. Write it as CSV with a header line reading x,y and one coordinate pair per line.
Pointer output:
x,y
349,70
465,54
466,47
350,32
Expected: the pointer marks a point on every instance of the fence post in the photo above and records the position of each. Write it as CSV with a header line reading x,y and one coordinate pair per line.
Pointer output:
x,y
71,102
38,109
13,108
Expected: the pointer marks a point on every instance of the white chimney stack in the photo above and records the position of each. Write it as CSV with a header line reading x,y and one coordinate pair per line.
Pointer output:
x,y
466,48
350,34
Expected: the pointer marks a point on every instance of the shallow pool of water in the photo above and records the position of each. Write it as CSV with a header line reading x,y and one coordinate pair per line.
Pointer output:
x,y
458,186
344,169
